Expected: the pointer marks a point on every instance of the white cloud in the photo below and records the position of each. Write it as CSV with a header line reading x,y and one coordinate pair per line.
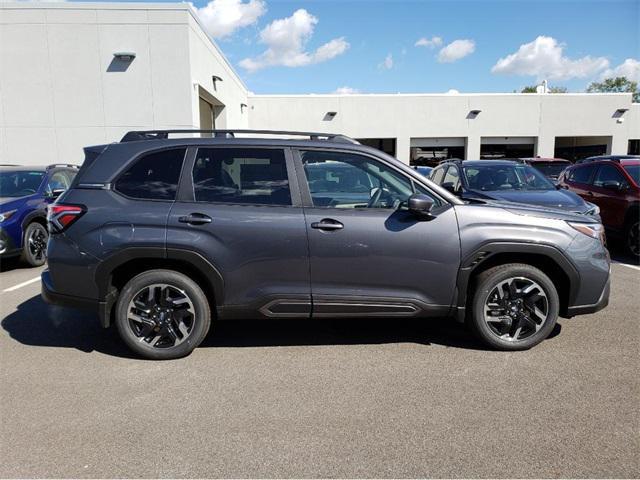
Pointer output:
x,y
286,39
543,58
387,63
223,17
452,91
346,90
432,42
630,68
456,50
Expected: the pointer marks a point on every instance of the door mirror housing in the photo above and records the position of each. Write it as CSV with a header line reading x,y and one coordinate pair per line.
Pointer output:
x,y
451,188
613,185
420,204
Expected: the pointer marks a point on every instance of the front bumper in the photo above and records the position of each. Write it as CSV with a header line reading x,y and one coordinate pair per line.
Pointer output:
x,y
602,302
49,295
8,247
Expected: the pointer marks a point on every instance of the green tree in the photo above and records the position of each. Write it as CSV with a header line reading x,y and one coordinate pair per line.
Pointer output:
x,y
617,84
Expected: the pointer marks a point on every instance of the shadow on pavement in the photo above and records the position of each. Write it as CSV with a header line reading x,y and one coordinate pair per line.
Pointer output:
x,y
11,263
37,324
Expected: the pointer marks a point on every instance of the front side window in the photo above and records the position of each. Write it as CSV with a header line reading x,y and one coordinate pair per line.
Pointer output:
x,y
438,175
346,180
255,176
452,177
153,177
581,174
506,177
608,173
59,180
634,172
19,184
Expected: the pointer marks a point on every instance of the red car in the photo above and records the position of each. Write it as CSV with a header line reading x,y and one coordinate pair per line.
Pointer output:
x,y
613,185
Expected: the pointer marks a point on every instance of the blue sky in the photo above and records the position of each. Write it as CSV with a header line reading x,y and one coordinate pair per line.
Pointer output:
x,y
370,46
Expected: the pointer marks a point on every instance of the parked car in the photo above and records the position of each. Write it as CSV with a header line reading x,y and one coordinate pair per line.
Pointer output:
x,y
608,157
161,235
422,170
613,185
550,167
25,193
507,180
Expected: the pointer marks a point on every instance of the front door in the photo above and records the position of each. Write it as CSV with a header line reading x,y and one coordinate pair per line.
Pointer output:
x,y
368,254
239,208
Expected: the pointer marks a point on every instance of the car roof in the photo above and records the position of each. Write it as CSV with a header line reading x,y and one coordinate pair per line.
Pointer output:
x,y
472,163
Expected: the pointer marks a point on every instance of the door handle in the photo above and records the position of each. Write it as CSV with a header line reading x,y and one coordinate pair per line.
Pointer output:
x,y
195,219
327,224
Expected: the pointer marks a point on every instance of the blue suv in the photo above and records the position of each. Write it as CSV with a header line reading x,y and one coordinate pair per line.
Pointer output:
x,y
25,193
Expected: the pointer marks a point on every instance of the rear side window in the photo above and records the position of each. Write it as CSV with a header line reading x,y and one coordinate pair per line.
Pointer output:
x,y
256,176
452,177
153,177
581,174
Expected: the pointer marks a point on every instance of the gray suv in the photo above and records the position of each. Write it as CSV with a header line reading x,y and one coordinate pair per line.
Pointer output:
x,y
163,235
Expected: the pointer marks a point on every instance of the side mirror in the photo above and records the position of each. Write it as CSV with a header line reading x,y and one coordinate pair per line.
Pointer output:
x,y
420,204
612,185
56,192
450,187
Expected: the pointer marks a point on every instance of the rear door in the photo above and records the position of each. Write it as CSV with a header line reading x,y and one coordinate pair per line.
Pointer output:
x,y
239,208
368,254
579,180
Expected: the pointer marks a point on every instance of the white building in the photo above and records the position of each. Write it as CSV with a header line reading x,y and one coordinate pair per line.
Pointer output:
x,y
66,81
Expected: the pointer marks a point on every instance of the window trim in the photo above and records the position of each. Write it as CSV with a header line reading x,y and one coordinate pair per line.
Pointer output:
x,y
307,201
186,188
138,157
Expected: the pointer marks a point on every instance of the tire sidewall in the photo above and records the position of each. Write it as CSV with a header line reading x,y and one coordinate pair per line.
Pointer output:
x,y
627,238
27,256
488,283
194,292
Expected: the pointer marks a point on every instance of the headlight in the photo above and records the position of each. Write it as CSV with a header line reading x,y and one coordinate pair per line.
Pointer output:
x,y
6,215
593,209
593,230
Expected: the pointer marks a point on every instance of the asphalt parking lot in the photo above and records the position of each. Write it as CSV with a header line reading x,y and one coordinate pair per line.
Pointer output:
x,y
363,398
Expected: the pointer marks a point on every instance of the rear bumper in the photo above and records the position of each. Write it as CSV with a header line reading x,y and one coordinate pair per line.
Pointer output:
x,y
602,302
49,295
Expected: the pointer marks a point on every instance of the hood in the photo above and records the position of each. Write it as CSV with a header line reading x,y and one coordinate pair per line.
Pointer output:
x,y
557,199
537,211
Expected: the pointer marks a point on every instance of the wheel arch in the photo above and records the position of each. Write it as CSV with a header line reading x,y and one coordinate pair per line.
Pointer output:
x,y
546,258
113,273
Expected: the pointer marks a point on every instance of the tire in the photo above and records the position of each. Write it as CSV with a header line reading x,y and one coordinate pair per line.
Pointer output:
x,y
529,301
34,245
632,238
162,314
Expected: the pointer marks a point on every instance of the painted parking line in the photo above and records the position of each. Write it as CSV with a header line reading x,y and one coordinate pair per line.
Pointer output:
x,y
635,267
20,285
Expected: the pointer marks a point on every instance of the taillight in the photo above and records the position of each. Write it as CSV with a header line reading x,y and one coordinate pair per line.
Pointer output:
x,y
61,216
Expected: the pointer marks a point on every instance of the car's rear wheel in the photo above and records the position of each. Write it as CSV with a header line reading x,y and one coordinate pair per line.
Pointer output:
x,y
34,248
162,314
514,307
632,238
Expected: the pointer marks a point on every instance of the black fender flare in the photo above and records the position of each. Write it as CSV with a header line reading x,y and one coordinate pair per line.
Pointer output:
x,y
487,250
192,259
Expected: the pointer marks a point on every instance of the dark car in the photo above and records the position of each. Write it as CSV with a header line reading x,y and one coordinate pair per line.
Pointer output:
x,y
25,193
613,185
422,170
509,181
550,167
163,235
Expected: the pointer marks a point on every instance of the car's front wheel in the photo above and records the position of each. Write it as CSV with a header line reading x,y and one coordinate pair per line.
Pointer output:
x,y
34,248
514,307
162,314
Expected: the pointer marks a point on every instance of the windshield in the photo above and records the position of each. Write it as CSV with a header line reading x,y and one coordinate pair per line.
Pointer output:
x,y
19,184
634,172
551,169
505,177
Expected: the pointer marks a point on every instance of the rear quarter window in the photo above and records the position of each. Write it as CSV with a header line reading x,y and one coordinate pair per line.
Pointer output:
x,y
154,176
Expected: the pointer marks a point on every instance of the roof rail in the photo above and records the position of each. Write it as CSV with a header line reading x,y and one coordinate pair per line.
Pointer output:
x,y
55,165
9,164
134,136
